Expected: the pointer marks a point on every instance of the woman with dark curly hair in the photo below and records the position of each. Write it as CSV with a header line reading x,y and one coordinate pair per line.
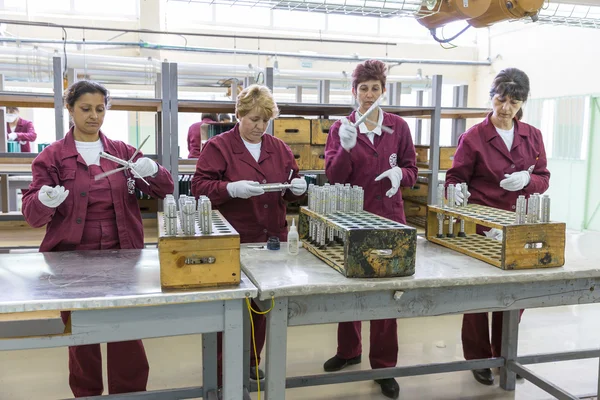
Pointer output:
x,y
500,159
380,163
84,213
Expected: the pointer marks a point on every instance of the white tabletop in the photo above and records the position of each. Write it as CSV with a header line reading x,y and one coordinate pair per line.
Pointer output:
x,y
276,273
96,279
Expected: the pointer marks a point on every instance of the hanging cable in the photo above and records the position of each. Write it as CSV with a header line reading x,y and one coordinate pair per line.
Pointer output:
x,y
437,39
250,311
450,45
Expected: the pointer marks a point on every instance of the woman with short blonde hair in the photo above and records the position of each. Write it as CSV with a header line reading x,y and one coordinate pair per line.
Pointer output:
x,y
230,170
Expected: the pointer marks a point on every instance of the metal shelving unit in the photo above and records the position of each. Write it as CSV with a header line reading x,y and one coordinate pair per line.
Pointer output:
x,y
167,106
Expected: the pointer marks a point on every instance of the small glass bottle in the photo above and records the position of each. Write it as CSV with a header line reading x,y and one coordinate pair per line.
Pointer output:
x,y
293,239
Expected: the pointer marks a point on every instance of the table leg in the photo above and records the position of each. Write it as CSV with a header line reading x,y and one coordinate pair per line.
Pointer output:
x,y
209,362
598,392
247,339
277,321
233,353
510,341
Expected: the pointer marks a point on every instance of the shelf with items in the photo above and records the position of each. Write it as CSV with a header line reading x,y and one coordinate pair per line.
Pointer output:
x,y
15,233
311,158
38,100
446,156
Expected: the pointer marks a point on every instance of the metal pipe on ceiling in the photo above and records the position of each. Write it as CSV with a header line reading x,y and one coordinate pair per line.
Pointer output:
x,y
213,35
216,50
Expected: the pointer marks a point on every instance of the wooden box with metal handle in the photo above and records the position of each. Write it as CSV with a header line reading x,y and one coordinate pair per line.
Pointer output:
x,y
364,245
199,260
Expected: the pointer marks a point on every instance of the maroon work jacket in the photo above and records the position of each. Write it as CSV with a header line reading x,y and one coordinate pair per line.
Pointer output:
x,y
194,138
366,161
61,164
482,159
225,159
25,134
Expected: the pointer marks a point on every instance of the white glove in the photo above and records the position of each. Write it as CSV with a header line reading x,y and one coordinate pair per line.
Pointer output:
x,y
395,176
495,234
298,186
52,197
145,167
13,136
515,181
244,189
459,197
348,135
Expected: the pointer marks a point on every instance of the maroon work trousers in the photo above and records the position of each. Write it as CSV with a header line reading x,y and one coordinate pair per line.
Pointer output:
x,y
384,342
476,335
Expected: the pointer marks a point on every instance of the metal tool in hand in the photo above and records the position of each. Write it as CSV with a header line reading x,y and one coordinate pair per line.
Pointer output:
x,y
276,187
125,164
365,116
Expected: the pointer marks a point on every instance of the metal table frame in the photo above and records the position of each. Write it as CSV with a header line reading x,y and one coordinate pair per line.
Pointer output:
x,y
183,313
299,309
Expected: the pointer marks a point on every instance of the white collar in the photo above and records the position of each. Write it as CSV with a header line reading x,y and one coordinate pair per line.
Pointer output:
x,y
363,127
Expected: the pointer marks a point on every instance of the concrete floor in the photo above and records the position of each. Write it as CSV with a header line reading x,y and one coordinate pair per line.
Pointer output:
x,y
176,362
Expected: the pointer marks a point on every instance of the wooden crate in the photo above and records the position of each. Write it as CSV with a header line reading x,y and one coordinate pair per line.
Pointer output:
x,y
320,130
148,205
446,156
317,157
523,246
418,190
302,155
374,247
292,130
415,208
200,260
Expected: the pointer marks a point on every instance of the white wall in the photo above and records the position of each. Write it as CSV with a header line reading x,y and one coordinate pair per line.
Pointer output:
x,y
560,62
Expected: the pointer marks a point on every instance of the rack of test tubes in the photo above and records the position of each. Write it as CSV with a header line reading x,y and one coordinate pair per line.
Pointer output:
x,y
197,246
357,243
523,239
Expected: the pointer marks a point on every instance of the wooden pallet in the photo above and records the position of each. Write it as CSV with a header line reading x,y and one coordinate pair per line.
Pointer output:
x,y
523,246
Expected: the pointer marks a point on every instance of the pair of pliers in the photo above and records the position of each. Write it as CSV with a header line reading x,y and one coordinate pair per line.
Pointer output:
x,y
125,164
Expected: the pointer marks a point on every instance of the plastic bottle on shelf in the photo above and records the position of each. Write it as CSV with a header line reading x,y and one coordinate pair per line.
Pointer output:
x,y
293,239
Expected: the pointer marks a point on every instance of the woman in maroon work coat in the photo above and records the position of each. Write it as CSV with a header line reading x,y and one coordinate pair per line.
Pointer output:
x,y
500,159
19,129
81,213
229,170
194,138
380,163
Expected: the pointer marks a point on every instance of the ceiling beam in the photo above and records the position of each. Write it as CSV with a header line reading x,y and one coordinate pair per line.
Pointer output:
x,y
577,2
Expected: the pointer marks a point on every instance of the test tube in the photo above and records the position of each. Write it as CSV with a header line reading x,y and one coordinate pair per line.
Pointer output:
x,y
206,207
440,202
170,215
347,198
170,208
451,204
520,208
333,209
545,209
311,197
533,210
464,190
315,208
188,220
